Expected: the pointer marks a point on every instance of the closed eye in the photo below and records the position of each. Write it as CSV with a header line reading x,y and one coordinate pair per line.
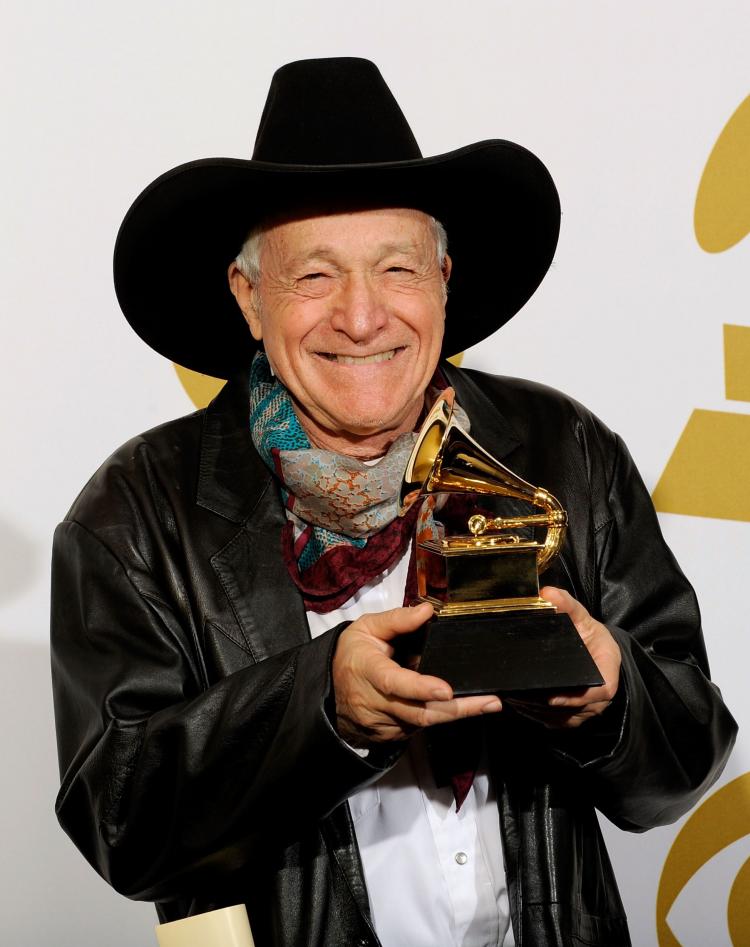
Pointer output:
x,y
312,276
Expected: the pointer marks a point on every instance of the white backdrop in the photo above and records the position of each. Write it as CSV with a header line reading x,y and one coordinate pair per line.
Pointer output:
x,y
624,102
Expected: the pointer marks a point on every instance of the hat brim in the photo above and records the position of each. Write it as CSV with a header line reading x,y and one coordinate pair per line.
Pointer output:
x,y
497,201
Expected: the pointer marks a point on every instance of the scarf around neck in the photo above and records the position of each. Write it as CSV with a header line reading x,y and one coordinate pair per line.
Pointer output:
x,y
342,525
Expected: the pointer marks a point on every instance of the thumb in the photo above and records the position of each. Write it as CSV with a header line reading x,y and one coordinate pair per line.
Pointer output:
x,y
397,621
565,603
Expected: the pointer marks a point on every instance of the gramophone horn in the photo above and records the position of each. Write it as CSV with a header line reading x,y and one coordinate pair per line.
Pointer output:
x,y
446,459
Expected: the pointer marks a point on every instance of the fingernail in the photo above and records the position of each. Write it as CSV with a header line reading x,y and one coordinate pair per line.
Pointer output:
x,y
556,701
492,707
441,693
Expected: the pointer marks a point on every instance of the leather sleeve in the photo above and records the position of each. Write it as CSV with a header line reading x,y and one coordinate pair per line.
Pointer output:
x,y
666,739
146,747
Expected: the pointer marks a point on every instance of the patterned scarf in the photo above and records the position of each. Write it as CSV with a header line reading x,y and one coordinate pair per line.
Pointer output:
x,y
342,526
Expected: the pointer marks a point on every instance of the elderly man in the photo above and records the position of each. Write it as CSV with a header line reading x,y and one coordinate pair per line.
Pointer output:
x,y
229,588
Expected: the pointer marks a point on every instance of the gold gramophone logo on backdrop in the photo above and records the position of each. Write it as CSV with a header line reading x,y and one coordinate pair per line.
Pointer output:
x,y
707,475
708,471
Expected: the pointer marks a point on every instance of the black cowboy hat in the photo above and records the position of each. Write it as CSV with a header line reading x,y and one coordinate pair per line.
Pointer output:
x,y
331,132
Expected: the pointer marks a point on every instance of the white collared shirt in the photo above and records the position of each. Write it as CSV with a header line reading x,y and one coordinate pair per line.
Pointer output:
x,y
434,876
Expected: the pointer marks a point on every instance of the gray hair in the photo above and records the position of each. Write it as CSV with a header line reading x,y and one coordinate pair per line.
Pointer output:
x,y
248,259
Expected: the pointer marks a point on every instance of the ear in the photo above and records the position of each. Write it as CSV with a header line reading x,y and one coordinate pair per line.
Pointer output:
x,y
446,268
445,271
245,294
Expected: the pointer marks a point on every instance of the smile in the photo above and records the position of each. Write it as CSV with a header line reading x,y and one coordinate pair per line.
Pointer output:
x,y
360,359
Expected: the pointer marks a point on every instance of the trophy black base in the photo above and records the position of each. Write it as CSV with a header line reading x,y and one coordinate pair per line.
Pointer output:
x,y
507,652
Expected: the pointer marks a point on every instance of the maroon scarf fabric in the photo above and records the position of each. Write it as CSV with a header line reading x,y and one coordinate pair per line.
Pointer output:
x,y
337,575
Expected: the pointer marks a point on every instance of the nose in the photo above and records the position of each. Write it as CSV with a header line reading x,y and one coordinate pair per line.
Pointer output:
x,y
358,310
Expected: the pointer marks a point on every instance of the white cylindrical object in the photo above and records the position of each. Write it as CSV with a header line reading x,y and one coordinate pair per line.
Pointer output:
x,y
228,927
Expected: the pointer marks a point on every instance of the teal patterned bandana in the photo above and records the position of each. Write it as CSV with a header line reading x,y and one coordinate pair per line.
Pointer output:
x,y
331,500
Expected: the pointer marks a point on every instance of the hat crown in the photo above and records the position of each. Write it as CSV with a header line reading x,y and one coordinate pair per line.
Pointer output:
x,y
331,112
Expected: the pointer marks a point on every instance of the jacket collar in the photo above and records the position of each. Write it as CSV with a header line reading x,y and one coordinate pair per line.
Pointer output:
x,y
489,427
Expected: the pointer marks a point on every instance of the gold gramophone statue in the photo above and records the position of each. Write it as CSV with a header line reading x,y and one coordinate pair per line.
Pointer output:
x,y
492,632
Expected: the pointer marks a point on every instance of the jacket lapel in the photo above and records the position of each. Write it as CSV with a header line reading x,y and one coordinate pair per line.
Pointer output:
x,y
252,572
235,484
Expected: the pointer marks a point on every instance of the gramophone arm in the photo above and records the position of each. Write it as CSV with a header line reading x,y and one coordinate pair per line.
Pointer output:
x,y
554,518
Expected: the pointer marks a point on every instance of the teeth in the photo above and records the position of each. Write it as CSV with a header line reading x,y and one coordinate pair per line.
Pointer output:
x,y
361,359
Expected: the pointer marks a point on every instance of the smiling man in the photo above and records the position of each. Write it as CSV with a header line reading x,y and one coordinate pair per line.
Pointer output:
x,y
229,588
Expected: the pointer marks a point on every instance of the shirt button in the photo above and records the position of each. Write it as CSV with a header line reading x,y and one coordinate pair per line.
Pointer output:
x,y
461,858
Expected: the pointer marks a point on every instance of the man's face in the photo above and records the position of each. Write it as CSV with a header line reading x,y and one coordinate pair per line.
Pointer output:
x,y
350,308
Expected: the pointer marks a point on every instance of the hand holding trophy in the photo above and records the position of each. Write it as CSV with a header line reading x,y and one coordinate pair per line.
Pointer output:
x,y
492,632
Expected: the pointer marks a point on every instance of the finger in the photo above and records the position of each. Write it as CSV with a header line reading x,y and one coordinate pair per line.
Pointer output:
x,y
579,698
459,708
567,722
598,639
609,668
591,698
395,682
416,715
551,717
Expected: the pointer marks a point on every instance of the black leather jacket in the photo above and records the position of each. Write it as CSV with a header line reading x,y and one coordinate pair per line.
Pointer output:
x,y
199,765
